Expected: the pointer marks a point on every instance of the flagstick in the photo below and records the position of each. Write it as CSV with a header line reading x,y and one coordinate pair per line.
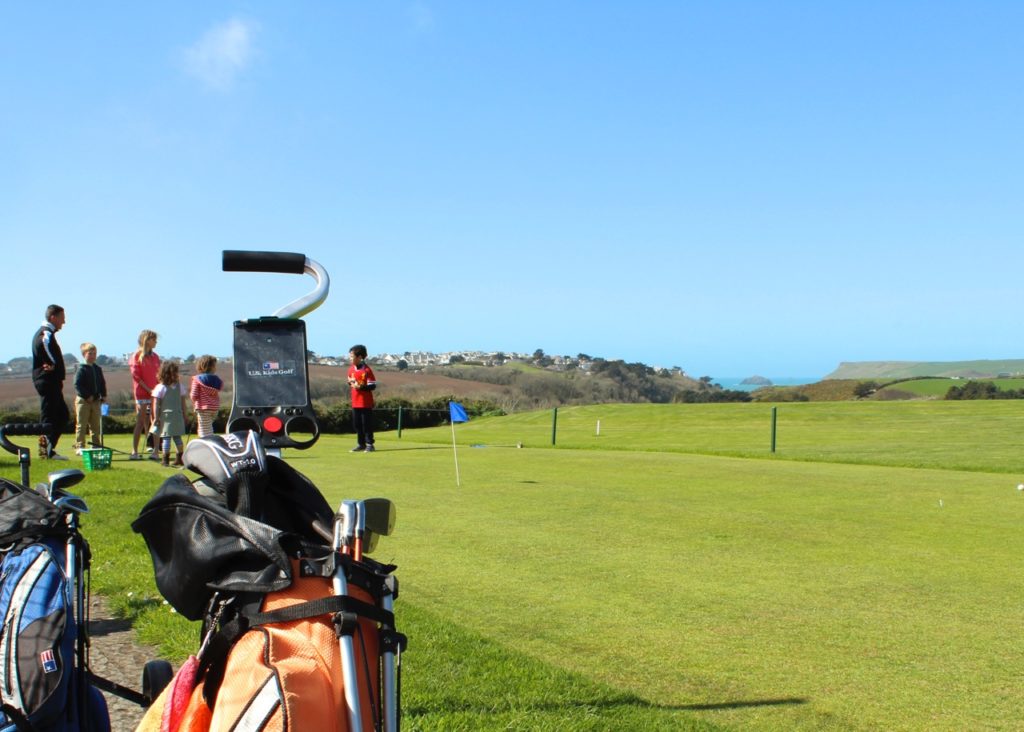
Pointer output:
x,y
458,481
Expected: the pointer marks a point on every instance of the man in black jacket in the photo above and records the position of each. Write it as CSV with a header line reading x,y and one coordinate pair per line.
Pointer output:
x,y
48,379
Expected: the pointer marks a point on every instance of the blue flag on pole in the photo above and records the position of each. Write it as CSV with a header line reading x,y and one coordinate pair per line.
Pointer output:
x,y
457,412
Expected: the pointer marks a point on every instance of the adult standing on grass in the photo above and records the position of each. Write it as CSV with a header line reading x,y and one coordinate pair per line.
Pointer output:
x,y
362,383
144,366
48,379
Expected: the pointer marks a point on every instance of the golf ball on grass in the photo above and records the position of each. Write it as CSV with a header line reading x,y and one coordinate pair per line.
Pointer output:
x,y
1020,486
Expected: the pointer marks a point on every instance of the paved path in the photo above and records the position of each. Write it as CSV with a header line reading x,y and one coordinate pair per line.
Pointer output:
x,y
115,655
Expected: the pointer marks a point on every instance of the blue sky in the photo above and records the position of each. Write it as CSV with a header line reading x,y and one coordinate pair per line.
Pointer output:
x,y
730,187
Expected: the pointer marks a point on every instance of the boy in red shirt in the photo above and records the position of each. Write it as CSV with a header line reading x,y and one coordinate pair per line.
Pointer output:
x,y
362,382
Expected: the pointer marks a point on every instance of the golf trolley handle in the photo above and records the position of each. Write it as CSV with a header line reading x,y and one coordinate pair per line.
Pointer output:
x,y
20,428
285,263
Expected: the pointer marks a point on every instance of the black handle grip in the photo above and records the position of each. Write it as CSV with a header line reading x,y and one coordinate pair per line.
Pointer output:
x,y
284,262
24,428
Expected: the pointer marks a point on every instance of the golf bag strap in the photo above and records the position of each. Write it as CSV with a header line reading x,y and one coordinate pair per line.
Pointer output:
x,y
20,720
332,605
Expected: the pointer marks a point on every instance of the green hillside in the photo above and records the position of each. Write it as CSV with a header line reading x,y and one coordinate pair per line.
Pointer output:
x,y
910,369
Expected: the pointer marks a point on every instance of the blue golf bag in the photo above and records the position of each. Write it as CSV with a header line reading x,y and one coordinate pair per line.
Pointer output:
x,y
44,678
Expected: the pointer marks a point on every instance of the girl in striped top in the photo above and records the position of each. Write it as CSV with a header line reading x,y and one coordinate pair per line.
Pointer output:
x,y
205,394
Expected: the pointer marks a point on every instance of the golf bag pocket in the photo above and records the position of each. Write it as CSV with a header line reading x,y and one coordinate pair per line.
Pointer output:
x,y
289,674
37,640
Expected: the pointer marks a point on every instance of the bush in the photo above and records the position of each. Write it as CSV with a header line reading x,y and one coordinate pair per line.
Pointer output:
x,y
865,389
982,390
708,396
335,416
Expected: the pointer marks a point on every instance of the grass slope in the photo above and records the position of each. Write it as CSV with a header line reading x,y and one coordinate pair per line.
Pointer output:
x,y
638,584
907,369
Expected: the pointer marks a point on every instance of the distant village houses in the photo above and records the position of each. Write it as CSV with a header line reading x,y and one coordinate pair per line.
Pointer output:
x,y
409,359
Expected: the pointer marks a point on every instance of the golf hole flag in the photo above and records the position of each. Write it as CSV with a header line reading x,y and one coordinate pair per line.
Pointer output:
x,y
457,412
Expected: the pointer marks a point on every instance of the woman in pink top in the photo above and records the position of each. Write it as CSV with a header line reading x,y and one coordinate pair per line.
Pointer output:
x,y
144,366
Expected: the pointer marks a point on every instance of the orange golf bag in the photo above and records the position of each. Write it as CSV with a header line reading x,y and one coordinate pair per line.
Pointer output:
x,y
298,627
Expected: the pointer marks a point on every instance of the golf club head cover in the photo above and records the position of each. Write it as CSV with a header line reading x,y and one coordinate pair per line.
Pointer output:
x,y
235,465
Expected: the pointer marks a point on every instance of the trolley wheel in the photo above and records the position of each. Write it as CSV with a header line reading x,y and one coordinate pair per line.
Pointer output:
x,y
155,676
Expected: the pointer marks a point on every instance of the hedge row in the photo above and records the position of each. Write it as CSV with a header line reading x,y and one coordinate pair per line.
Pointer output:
x,y
333,418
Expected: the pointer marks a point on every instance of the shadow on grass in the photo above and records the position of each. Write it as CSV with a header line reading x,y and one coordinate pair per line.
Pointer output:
x,y
407,449
625,700
739,704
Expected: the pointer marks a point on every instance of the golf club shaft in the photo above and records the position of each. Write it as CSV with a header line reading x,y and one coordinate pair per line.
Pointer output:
x,y
389,691
348,661
344,527
360,530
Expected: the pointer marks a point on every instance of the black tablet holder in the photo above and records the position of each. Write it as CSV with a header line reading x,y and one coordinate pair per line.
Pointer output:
x,y
271,372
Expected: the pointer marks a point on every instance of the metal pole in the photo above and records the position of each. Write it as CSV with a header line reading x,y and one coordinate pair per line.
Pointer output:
x,y
455,453
554,424
344,526
399,422
389,687
774,416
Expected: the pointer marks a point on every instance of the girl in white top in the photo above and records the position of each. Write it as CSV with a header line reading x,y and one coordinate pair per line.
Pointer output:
x,y
170,411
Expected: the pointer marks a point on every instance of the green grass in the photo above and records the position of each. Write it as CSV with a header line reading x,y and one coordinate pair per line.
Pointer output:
x,y
908,369
982,436
634,585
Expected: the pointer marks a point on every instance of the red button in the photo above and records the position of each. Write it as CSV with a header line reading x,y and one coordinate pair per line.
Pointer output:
x,y
273,424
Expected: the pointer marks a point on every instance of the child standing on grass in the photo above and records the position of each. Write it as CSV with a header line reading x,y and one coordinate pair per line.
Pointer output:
x,y
90,393
362,383
170,410
144,366
205,394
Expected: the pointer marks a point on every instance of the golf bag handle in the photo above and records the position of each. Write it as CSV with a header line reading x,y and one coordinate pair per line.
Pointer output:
x,y
20,428
285,263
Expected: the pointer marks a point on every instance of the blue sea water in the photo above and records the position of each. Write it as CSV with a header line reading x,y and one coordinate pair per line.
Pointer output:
x,y
733,382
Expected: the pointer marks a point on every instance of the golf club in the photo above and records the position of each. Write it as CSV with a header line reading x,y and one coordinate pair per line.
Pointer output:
x,y
75,560
377,518
71,502
344,528
360,530
60,480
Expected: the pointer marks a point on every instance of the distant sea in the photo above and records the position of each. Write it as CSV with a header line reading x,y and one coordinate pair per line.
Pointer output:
x,y
733,382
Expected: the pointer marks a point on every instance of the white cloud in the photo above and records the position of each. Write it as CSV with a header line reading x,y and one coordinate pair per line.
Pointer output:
x,y
222,53
421,17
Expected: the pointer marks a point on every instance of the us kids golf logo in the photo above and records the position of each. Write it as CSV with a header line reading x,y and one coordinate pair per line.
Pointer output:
x,y
48,662
270,368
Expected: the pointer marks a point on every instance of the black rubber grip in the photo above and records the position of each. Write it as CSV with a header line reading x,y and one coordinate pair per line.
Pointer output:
x,y
284,262
24,428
